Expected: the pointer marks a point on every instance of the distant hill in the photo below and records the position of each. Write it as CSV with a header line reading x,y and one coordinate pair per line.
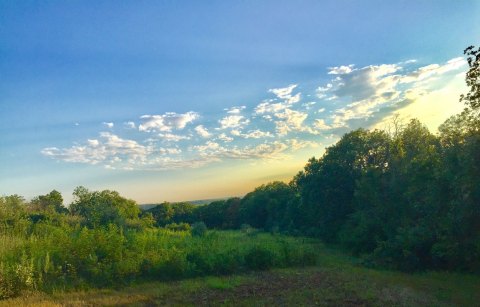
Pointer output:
x,y
193,202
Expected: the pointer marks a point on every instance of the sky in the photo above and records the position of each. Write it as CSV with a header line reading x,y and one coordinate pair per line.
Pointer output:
x,y
183,100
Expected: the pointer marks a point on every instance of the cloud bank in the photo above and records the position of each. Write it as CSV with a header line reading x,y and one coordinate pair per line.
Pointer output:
x,y
273,128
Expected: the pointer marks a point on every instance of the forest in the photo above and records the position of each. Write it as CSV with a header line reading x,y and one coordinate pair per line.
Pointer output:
x,y
402,199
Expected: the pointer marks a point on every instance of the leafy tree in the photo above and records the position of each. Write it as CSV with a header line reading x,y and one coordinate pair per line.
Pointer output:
x,y
268,206
213,214
327,185
472,99
51,202
12,209
460,193
232,213
167,213
105,207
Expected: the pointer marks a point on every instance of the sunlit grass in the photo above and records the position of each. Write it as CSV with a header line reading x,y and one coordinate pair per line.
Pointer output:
x,y
334,278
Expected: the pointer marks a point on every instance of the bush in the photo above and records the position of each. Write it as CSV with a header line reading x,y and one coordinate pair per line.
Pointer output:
x,y
198,229
259,258
178,227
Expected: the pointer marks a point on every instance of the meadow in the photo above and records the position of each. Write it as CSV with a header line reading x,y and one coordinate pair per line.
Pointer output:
x,y
334,279
50,259
401,209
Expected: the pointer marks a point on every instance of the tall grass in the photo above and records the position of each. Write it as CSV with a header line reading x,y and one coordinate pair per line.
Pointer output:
x,y
52,258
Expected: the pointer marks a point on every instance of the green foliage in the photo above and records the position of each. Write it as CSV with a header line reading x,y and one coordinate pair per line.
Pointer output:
x,y
51,202
199,229
472,99
269,206
168,213
49,257
260,258
103,208
178,227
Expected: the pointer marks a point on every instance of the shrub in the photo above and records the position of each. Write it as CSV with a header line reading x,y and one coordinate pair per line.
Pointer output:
x,y
198,229
259,258
178,227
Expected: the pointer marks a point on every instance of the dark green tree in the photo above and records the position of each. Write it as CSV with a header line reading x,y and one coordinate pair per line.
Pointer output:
x,y
100,208
51,202
268,206
472,98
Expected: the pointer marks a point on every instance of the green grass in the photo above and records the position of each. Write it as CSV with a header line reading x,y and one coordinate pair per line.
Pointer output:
x,y
51,258
336,280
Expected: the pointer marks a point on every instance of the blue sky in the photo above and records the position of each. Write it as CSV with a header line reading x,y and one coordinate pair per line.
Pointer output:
x,y
175,100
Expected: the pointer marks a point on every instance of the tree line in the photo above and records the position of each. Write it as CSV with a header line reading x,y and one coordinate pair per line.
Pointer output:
x,y
406,199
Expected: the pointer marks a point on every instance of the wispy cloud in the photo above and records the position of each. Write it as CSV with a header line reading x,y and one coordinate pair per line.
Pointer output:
x,y
341,70
129,125
109,147
233,121
235,110
170,137
285,93
167,122
290,120
364,91
202,131
273,127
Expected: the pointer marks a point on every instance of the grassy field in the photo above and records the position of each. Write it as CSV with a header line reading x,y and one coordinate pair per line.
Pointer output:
x,y
335,280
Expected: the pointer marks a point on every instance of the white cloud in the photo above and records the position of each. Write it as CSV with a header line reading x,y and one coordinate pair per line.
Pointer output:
x,y
93,143
215,151
202,131
354,97
268,107
109,148
129,125
173,137
122,146
236,132
432,70
376,86
257,134
321,125
167,122
341,70
296,144
251,134
322,91
233,121
168,163
209,145
235,110
285,94
169,151
224,137
291,120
